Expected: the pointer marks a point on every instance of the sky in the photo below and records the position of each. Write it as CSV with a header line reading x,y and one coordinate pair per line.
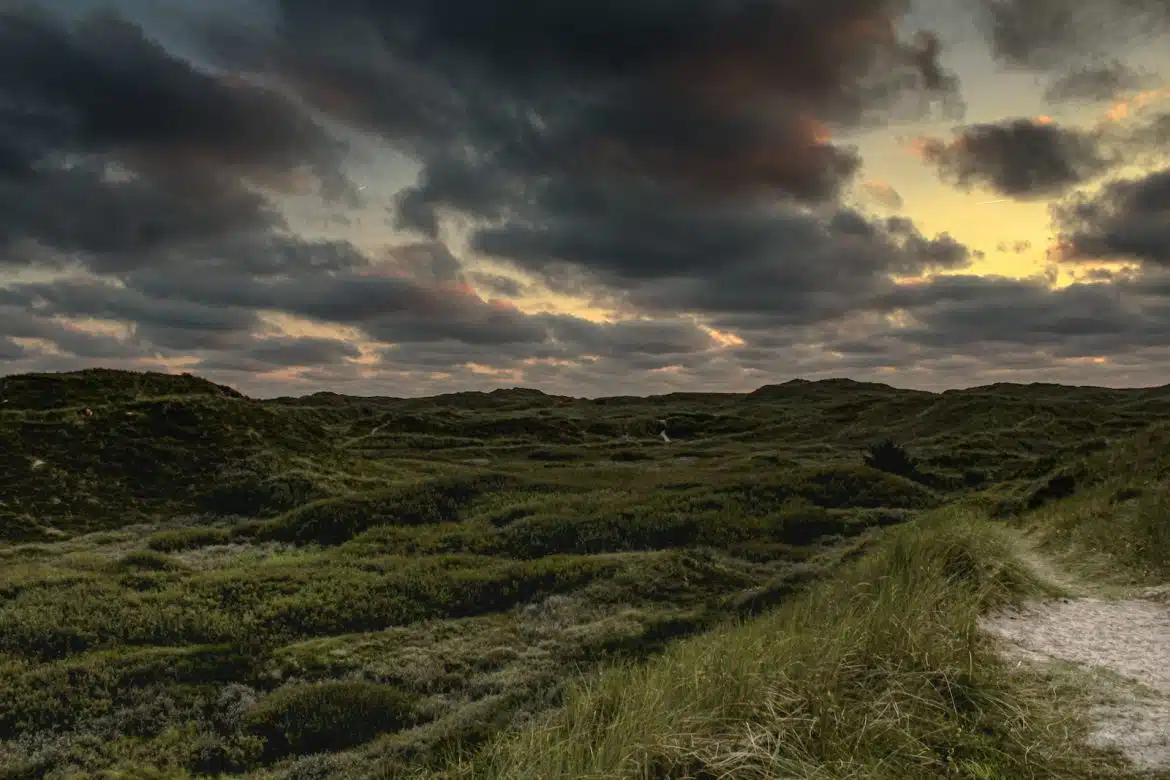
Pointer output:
x,y
588,197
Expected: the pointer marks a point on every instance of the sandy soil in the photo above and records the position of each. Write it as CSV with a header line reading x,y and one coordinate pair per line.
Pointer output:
x,y
1125,643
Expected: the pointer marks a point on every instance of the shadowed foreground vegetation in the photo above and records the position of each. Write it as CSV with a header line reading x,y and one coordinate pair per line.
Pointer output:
x,y
515,585
876,673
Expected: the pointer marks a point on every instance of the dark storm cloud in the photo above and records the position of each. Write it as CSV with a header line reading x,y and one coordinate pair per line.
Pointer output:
x,y
391,308
1019,158
629,151
429,324
11,350
400,310
661,157
116,224
911,252
540,118
992,317
839,56
114,147
1126,219
18,323
118,91
265,254
429,262
167,322
634,344
271,354
665,252
648,337
1096,82
1049,34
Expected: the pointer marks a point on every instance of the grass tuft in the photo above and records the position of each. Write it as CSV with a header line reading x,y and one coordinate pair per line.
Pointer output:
x,y
328,716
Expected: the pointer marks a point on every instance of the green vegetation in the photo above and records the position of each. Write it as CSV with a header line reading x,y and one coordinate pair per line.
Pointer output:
x,y
877,673
302,719
888,455
1109,513
518,585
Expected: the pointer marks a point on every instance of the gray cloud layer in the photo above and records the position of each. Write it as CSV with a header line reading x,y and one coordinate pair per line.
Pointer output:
x,y
1096,81
1054,34
674,160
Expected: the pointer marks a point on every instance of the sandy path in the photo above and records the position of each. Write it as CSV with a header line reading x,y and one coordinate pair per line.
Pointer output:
x,y
1124,642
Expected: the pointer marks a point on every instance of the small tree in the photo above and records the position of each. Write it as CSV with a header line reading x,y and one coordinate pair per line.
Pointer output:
x,y
891,457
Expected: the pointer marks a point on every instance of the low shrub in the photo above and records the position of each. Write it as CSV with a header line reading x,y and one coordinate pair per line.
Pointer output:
x,y
188,539
328,716
335,520
887,455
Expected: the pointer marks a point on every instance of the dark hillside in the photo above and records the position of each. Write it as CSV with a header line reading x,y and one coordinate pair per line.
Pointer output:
x,y
100,386
126,457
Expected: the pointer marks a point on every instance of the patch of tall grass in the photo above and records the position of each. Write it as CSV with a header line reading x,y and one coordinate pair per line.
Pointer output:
x,y
880,673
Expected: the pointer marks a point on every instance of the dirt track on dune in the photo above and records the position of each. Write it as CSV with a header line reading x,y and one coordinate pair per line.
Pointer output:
x,y
1124,646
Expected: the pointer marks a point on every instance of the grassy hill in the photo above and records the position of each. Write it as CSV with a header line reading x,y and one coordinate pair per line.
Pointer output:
x,y
195,583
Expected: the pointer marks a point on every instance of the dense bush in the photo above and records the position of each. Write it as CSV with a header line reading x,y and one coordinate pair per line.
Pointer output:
x,y
335,520
56,696
888,455
21,527
257,496
328,716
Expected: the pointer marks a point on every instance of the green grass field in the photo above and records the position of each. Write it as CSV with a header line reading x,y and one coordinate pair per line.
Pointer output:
x,y
516,585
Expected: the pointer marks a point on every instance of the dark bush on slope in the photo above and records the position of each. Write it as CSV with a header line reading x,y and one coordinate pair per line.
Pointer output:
x,y
336,520
887,455
259,496
328,716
